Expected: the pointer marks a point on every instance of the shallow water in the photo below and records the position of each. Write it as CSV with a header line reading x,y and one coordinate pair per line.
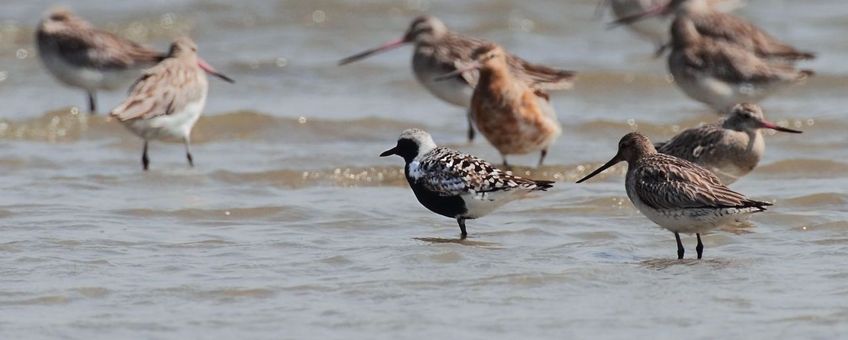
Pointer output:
x,y
291,226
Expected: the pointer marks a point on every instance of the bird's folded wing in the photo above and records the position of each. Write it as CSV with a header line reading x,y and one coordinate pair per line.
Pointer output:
x,y
541,77
102,50
161,90
452,173
739,31
674,183
692,143
734,64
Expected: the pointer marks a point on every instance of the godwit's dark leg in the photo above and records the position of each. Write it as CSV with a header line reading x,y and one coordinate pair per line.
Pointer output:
x,y
461,222
700,247
92,102
187,142
679,246
542,158
661,50
145,162
470,128
505,163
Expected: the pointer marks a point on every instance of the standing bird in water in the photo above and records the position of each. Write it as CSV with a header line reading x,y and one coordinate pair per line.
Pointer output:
x,y
169,98
714,24
457,185
730,148
513,115
676,194
655,29
720,73
438,51
79,55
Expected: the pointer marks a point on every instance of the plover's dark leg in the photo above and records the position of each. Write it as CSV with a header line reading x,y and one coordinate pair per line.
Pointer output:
x,y
700,247
679,246
92,102
505,163
542,158
187,142
461,222
470,128
145,162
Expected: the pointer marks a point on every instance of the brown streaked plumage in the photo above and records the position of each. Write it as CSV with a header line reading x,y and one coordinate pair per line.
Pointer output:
x,y
514,116
676,194
727,27
438,51
80,55
730,148
656,29
169,98
721,74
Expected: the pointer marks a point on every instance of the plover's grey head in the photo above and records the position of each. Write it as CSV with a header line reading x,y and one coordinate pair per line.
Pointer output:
x,y
410,144
631,147
425,28
749,117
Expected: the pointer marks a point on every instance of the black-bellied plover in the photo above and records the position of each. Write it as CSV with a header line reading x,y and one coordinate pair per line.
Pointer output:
x,y
457,185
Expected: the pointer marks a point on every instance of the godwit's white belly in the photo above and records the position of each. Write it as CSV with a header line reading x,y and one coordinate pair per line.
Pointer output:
x,y
454,90
689,220
175,126
86,77
718,94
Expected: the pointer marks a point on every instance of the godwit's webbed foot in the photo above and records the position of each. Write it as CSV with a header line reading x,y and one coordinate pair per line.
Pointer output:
x,y
680,249
700,247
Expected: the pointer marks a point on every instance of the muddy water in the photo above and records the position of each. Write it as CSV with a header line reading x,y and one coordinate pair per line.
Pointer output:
x,y
291,227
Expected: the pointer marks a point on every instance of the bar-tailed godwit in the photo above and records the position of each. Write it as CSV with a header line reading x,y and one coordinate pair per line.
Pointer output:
x,y
725,27
730,148
721,73
655,29
515,116
439,51
676,194
168,99
457,185
79,55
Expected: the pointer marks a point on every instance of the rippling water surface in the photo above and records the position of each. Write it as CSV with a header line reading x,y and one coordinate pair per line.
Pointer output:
x,y
291,226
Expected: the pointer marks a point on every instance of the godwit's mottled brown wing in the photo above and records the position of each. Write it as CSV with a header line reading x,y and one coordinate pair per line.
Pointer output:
x,y
667,182
735,64
540,77
454,51
739,31
99,49
692,144
161,90
451,173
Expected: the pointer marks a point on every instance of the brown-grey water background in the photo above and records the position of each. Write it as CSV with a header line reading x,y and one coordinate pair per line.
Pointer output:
x,y
290,226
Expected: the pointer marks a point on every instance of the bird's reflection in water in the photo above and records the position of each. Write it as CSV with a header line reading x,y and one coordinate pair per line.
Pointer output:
x,y
739,228
664,263
460,241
